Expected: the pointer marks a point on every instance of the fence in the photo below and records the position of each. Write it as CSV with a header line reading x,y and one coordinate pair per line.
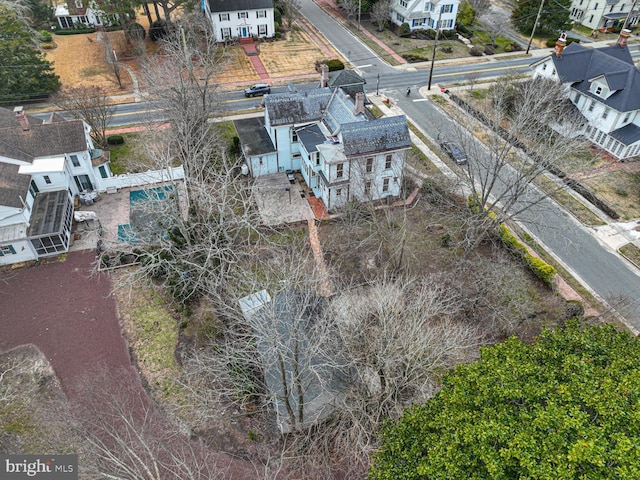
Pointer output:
x,y
142,178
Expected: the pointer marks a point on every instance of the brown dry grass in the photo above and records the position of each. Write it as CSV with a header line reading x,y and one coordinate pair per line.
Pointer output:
x,y
79,60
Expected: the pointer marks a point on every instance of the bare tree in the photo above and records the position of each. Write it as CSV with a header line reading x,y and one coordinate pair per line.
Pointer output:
x,y
350,7
500,175
480,6
128,437
290,11
380,13
91,104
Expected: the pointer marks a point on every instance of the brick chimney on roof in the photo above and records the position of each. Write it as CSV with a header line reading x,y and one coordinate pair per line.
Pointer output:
x,y
560,44
22,118
623,37
324,75
359,106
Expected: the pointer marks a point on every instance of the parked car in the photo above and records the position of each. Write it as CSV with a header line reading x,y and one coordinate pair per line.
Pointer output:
x,y
454,151
257,89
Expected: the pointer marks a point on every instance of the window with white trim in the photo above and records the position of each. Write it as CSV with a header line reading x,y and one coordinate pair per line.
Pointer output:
x,y
47,179
605,114
262,29
446,8
592,105
369,167
33,189
403,3
385,184
226,33
243,15
224,17
261,14
339,170
387,162
399,17
338,192
294,135
74,160
367,187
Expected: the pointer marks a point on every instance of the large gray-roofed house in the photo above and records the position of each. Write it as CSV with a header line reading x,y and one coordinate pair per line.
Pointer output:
x,y
43,165
343,152
604,85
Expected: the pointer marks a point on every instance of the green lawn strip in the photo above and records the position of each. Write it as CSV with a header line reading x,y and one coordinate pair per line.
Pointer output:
x,y
377,49
156,339
569,202
631,253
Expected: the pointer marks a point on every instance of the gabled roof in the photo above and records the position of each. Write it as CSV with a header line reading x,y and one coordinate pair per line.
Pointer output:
x,y
253,137
13,185
579,65
42,140
383,134
347,80
237,5
628,134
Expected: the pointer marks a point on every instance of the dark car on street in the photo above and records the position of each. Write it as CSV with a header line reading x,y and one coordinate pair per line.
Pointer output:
x,y
454,151
257,89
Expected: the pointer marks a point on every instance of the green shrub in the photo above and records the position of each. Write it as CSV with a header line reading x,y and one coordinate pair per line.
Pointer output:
x,y
74,31
115,140
539,267
488,50
476,51
134,32
335,64
48,45
45,36
405,30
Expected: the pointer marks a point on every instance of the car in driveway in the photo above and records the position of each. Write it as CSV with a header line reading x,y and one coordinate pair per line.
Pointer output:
x,y
257,89
455,152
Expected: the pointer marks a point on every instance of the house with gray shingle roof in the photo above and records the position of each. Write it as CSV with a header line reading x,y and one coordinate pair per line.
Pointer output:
x,y
604,85
240,18
342,151
43,166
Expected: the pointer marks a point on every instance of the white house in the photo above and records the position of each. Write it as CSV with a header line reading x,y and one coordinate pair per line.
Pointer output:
x,y
70,15
240,18
605,14
604,85
343,152
425,14
43,166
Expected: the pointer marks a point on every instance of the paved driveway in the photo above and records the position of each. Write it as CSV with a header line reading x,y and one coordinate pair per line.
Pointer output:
x,y
67,313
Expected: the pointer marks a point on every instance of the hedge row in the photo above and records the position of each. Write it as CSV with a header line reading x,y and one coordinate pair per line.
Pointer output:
x,y
539,267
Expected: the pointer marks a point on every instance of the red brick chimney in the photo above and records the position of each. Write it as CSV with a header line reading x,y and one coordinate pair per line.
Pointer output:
x,y
324,75
22,118
622,39
560,44
359,107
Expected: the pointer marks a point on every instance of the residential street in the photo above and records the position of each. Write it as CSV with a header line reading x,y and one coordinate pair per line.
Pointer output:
x,y
580,249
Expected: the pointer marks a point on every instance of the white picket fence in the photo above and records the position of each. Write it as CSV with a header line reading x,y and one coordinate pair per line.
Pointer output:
x,y
143,178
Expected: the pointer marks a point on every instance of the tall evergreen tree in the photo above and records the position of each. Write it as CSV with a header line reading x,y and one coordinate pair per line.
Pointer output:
x,y
553,19
24,72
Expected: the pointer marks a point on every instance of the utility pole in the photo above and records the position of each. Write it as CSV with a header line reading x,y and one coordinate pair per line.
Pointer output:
x,y
435,46
626,20
535,24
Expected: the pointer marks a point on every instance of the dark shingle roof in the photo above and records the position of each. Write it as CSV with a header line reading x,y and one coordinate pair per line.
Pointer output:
x,y
253,136
42,140
311,136
579,65
237,5
13,185
8,119
347,80
303,107
378,135
628,134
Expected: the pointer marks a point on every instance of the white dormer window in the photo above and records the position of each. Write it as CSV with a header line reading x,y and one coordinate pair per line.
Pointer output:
x,y
598,90
544,67
626,117
403,3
